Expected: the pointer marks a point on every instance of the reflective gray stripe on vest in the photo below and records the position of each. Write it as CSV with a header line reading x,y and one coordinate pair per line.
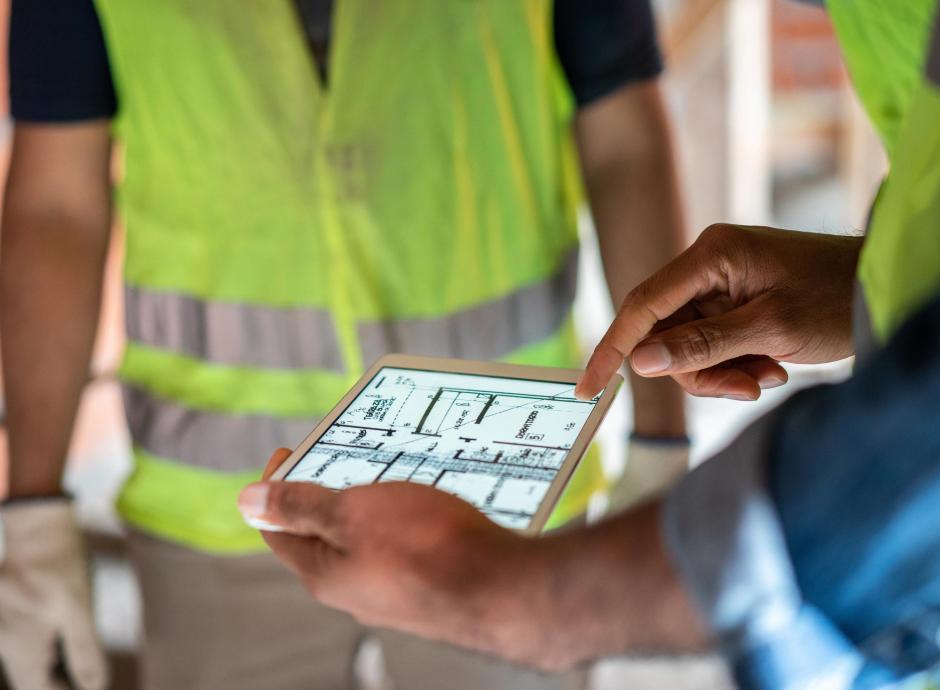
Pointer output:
x,y
207,440
863,336
933,52
233,333
487,331
864,343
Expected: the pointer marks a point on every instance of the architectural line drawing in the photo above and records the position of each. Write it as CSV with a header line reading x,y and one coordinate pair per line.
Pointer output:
x,y
494,442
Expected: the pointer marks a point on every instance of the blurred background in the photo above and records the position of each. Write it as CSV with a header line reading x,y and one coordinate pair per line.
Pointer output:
x,y
768,132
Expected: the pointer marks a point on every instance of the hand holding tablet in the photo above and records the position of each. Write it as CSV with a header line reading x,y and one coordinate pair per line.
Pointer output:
x,y
505,438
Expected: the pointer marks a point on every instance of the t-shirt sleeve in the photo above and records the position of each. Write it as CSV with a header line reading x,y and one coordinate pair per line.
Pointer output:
x,y
59,68
605,44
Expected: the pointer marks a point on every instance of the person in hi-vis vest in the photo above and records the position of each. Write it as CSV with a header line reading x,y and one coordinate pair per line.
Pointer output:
x,y
305,185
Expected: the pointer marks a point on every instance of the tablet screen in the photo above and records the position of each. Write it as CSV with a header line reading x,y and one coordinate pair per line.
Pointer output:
x,y
495,442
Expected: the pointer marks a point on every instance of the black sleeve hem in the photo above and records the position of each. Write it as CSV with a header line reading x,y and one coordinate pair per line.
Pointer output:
x,y
28,105
605,44
605,84
58,62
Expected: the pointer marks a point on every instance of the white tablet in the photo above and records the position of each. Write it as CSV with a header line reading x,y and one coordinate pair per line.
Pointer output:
x,y
503,437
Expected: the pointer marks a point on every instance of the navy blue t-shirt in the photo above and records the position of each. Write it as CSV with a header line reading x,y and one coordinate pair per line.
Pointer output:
x,y
59,69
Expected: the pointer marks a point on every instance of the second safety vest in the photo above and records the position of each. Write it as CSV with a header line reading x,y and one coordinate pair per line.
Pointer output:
x,y
892,49
281,235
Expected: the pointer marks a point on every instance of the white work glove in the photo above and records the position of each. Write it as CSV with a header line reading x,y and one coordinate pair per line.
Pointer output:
x,y
653,465
46,623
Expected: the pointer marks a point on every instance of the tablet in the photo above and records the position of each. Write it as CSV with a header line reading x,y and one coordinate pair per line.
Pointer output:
x,y
505,438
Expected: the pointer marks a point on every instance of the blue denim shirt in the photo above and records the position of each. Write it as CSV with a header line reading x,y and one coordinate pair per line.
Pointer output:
x,y
812,544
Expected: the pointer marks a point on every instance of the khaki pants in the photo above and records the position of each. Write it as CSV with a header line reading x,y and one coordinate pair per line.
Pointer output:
x,y
244,622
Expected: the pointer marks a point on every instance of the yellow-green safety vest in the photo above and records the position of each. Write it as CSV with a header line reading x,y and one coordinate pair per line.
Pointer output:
x,y
892,49
281,235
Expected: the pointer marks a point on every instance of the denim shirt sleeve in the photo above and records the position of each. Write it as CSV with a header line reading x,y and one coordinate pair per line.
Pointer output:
x,y
811,544
725,535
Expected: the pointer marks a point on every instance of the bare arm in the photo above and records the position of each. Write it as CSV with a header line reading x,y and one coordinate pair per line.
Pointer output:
x,y
56,226
627,159
611,589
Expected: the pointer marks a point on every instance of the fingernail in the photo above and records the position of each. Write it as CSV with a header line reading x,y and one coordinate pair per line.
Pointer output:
x,y
739,398
253,500
771,382
651,358
579,392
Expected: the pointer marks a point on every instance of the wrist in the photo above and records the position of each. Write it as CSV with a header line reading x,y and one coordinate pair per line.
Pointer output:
x,y
658,404
25,485
618,591
31,530
26,498
519,604
663,441
660,616
566,602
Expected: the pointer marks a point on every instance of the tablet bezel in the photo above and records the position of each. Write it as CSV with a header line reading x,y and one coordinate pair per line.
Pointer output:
x,y
497,369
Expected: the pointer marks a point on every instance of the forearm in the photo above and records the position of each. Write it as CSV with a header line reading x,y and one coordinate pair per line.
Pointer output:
x,y
56,222
632,184
50,293
609,590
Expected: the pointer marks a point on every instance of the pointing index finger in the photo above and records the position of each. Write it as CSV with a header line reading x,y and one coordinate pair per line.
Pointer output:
x,y
654,300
